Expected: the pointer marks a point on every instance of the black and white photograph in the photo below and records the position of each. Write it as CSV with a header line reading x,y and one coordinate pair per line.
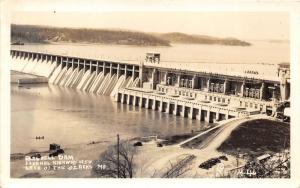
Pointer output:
x,y
107,93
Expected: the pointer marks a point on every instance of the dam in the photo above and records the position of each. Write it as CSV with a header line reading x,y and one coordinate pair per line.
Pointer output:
x,y
99,77
207,92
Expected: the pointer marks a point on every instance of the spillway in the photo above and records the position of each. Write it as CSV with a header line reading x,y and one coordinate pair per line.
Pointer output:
x,y
35,67
74,77
91,81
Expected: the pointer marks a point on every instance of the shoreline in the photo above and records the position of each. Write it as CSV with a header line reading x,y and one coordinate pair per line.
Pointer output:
x,y
90,44
88,151
128,45
151,160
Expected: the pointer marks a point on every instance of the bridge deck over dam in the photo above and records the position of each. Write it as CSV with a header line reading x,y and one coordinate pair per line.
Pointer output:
x,y
207,92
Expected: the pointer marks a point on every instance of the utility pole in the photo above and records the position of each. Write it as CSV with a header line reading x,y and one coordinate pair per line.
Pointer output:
x,y
118,147
284,142
237,157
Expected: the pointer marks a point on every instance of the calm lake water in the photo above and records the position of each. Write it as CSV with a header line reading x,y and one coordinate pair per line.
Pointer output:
x,y
70,117
259,52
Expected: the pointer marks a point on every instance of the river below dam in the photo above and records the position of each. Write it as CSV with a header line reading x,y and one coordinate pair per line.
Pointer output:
x,y
70,117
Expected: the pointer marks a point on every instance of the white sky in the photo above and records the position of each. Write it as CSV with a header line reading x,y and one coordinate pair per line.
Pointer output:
x,y
111,14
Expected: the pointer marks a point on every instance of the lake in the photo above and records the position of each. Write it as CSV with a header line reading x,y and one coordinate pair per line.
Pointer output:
x,y
259,52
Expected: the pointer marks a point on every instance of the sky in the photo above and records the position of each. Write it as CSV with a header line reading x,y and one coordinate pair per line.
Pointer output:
x,y
113,15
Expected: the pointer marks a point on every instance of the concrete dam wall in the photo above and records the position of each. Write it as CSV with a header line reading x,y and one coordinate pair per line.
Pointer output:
x,y
85,76
91,81
32,66
205,96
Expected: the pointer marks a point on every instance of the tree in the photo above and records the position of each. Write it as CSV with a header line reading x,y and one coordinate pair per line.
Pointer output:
x,y
108,165
272,168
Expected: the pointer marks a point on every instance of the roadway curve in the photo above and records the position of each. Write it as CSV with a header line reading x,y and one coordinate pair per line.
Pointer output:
x,y
216,139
